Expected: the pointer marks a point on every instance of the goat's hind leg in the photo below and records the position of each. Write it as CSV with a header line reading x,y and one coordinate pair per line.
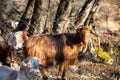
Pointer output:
x,y
43,74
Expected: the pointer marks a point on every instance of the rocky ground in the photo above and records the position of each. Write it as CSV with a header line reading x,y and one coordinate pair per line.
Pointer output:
x,y
87,70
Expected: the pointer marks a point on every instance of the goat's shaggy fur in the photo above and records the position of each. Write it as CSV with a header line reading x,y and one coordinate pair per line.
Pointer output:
x,y
60,49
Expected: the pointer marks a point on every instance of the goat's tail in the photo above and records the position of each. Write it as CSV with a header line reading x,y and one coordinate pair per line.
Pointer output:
x,y
25,32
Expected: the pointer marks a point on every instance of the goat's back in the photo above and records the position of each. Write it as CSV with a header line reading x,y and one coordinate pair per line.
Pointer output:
x,y
6,73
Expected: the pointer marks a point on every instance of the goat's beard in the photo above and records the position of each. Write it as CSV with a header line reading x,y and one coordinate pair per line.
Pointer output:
x,y
84,48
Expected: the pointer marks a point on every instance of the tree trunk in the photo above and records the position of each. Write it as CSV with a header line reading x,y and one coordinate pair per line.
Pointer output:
x,y
84,13
91,17
61,20
39,16
24,19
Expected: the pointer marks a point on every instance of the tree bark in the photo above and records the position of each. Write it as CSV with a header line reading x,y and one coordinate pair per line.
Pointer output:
x,y
39,16
91,17
5,10
84,13
61,20
24,19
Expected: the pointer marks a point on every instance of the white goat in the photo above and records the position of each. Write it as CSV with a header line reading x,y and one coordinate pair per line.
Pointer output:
x,y
29,70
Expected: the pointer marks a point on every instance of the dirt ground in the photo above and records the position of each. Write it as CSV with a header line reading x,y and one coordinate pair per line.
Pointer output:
x,y
86,70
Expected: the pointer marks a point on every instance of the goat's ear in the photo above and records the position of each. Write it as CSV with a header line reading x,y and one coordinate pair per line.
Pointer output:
x,y
24,64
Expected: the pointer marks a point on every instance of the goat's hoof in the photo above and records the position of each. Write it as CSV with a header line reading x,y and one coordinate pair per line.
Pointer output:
x,y
45,78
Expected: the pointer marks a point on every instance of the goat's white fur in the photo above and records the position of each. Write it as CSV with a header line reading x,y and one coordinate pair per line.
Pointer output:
x,y
29,70
16,40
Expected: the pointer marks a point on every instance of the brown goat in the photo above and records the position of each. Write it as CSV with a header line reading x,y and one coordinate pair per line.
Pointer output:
x,y
5,53
60,49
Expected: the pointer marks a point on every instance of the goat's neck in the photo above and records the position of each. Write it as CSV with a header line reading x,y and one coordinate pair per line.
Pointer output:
x,y
79,43
23,76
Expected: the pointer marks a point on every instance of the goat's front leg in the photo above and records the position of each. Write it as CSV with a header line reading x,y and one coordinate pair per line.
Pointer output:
x,y
62,70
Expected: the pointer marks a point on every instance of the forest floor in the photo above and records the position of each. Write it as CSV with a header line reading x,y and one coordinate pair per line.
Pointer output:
x,y
87,70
